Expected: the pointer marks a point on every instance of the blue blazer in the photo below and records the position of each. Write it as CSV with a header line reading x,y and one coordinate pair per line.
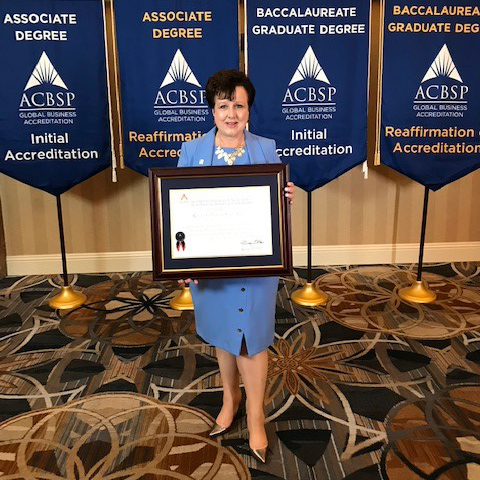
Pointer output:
x,y
199,152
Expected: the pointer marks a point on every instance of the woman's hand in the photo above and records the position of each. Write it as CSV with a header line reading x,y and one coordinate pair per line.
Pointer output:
x,y
187,281
290,191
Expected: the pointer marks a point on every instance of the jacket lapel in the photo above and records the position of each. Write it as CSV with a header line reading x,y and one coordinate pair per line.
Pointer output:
x,y
254,148
204,150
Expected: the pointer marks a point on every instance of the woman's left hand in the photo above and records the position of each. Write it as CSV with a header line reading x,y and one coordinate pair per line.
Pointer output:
x,y
290,191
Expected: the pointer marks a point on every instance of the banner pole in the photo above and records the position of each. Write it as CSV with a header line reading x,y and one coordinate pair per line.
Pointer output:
x,y
309,236
109,93
67,298
62,240
422,235
378,127
117,85
242,14
309,295
419,292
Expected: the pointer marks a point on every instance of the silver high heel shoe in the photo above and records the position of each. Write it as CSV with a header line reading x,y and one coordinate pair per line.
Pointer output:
x,y
260,454
218,429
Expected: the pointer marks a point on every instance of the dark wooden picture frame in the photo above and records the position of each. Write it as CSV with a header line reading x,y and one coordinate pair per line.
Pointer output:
x,y
162,180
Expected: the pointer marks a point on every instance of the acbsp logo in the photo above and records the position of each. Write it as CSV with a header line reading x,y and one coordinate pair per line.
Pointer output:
x,y
189,95
442,82
308,93
45,89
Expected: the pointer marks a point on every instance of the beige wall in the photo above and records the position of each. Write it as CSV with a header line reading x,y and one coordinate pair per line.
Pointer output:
x,y
101,216
105,217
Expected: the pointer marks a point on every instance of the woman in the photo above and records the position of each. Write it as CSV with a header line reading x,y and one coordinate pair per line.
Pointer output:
x,y
237,315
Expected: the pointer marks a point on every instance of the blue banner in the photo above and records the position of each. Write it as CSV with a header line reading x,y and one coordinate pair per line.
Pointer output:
x,y
54,119
308,61
167,51
431,90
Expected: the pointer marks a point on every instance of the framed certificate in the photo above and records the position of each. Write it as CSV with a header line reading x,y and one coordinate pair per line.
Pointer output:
x,y
214,222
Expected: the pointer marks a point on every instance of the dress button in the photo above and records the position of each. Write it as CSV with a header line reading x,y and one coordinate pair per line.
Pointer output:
x,y
242,289
240,309
239,329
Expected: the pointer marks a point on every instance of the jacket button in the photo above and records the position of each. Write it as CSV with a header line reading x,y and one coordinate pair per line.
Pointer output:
x,y
242,289
239,329
240,309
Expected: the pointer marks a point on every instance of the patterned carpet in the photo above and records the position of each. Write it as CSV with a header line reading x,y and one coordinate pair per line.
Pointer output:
x,y
367,387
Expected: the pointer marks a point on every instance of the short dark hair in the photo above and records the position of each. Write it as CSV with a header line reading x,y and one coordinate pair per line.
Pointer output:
x,y
223,84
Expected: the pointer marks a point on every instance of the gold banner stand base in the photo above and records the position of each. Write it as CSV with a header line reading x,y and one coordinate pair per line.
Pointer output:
x,y
309,296
67,298
183,301
418,292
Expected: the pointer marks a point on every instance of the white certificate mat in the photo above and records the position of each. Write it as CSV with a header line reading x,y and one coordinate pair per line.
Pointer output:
x,y
221,222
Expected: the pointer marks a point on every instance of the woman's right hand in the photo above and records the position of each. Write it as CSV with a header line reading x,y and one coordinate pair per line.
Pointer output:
x,y
187,281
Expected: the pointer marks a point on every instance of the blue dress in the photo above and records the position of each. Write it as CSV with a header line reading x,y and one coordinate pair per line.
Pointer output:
x,y
230,309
